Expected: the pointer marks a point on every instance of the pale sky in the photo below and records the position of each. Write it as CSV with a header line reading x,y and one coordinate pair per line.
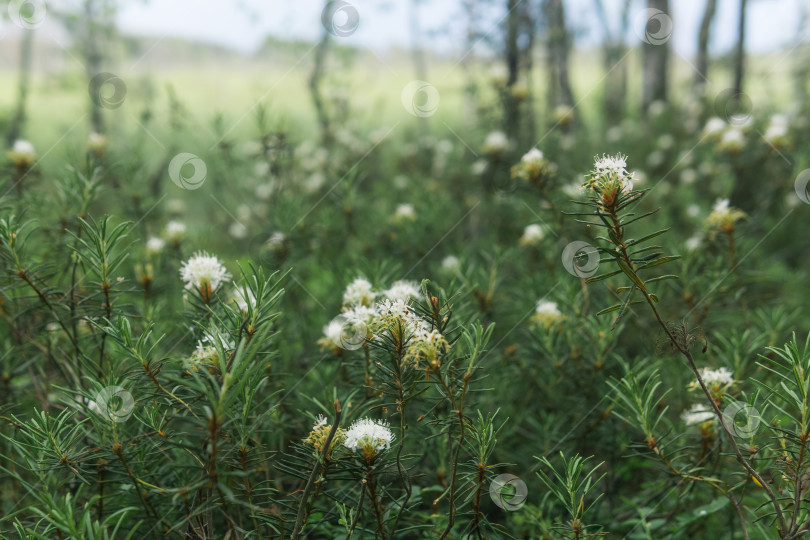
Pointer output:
x,y
243,24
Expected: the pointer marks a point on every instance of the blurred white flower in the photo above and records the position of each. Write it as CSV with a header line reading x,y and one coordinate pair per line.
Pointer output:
x,y
244,299
401,181
639,177
733,140
714,127
532,235
657,108
694,242
175,206
655,159
404,212
96,142
243,212
451,264
479,167
261,169
496,143
776,134
361,313
693,210
276,241
724,216
688,176
575,190
665,142
721,376
154,245
23,147
333,334
237,230
402,290
697,414
264,191
547,314
174,231
314,182
445,146
533,157
614,134
359,292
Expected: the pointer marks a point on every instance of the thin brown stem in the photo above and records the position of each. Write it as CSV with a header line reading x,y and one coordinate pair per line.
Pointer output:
x,y
316,470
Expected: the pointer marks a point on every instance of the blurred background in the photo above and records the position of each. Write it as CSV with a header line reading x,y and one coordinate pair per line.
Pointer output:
x,y
225,57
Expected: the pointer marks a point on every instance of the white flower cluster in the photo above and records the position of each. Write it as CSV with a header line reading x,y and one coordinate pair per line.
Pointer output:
x,y
533,157
728,137
402,290
206,351
369,437
204,273
717,377
359,292
611,165
609,177
723,216
547,314
392,312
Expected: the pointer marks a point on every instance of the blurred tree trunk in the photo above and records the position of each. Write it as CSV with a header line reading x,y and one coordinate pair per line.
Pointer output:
x,y
418,56
801,63
742,196
93,57
528,61
467,61
614,63
18,121
655,62
315,81
739,57
510,104
417,53
559,46
702,60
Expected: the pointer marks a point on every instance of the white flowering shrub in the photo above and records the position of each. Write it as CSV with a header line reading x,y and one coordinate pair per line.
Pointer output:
x,y
460,326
